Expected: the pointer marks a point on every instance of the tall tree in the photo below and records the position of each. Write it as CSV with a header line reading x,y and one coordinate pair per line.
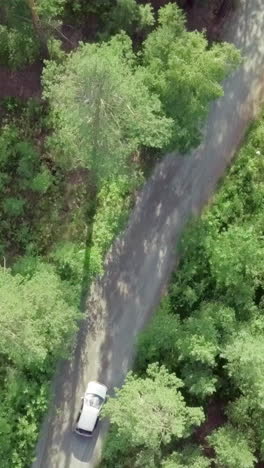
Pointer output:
x,y
185,72
102,112
245,361
236,263
27,27
130,16
247,415
38,27
232,449
189,457
150,412
158,342
200,339
35,319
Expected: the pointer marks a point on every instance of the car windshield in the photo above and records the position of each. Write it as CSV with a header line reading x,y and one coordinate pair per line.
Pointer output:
x,y
93,400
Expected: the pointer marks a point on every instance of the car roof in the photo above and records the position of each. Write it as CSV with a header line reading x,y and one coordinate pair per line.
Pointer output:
x,y
88,418
96,388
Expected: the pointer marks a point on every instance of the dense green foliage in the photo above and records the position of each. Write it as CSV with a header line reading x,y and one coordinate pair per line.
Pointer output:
x,y
26,26
38,322
185,73
209,328
114,101
35,307
146,414
102,112
189,457
24,180
129,16
37,317
232,448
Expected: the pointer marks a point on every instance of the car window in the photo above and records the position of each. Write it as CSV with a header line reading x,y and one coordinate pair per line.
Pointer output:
x,y
93,400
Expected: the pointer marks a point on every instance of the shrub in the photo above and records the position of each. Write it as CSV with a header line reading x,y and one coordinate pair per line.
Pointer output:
x,y
129,16
69,259
232,449
158,343
13,206
113,206
18,46
42,181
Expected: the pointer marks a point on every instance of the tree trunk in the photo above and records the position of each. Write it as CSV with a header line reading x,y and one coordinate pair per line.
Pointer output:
x,y
223,8
38,28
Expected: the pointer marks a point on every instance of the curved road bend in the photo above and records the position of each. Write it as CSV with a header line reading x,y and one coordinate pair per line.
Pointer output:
x,y
140,262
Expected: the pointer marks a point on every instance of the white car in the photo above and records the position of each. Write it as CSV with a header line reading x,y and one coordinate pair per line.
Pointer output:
x,y
92,403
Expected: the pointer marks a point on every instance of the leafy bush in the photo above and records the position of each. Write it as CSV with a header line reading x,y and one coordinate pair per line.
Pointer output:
x,y
47,322
18,47
69,259
49,9
166,416
186,74
42,181
190,457
113,204
158,343
35,298
13,206
232,449
55,50
26,266
24,179
82,8
129,16
23,402
27,29
126,123
247,414
27,158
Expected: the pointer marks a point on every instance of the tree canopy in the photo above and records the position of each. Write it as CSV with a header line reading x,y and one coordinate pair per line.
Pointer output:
x,y
35,319
107,101
232,448
185,72
245,362
150,412
102,111
189,457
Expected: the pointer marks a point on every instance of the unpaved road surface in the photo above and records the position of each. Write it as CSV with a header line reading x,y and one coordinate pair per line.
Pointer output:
x,y
141,260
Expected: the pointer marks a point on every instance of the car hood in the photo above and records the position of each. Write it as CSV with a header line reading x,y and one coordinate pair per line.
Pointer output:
x,y
88,418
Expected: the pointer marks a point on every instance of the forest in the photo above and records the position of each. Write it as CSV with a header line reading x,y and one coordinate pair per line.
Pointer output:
x,y
122,83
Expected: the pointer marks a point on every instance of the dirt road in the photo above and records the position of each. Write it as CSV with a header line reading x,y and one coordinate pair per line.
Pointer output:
x,y
141,260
